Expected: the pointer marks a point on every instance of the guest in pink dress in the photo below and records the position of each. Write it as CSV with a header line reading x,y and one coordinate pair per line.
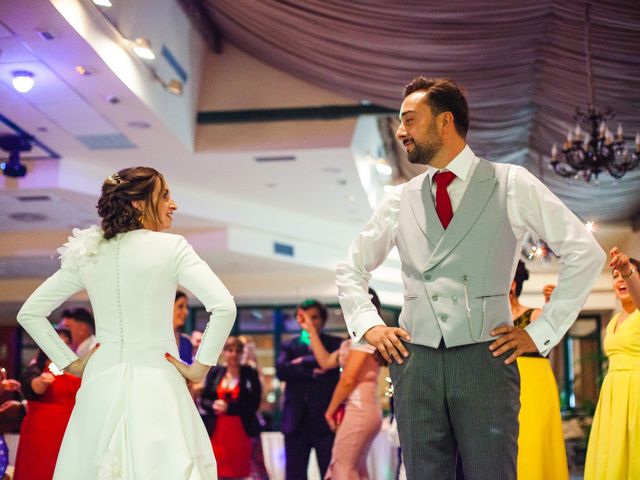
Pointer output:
x,y
354,412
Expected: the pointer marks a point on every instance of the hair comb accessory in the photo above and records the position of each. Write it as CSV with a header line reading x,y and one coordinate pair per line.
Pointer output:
x,y
114,179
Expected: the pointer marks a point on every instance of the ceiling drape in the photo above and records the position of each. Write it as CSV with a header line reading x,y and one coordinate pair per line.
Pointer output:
x,y
521,62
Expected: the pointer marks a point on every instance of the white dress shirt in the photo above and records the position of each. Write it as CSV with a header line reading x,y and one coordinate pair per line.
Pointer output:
x,y
531,206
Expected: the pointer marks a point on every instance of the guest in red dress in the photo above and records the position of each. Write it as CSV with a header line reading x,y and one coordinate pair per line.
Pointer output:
x,y
231,398
51,395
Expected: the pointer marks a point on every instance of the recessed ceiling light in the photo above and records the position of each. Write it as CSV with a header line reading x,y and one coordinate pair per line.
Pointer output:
x,y
84,71
142,48
174,86
22,80
103,3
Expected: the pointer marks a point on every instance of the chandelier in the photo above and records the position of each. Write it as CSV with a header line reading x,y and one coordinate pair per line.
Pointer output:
x,y
587,154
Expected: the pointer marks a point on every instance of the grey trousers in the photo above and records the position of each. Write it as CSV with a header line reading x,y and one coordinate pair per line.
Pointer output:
x,y
459,400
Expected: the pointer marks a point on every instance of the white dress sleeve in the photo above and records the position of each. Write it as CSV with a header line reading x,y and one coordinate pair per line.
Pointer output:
x,y
33,314
195,275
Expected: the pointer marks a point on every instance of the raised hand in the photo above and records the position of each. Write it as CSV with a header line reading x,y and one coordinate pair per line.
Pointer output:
x,y
304,321
194,373
388,341
76,368
620,261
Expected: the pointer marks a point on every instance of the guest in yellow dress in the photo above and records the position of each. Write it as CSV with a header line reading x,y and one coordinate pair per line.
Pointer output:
x,y
614,443
541,449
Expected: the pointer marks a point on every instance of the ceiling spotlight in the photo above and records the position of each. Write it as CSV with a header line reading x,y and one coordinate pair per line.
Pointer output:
x,y
174,86
82,70
22,81
103,3
142,48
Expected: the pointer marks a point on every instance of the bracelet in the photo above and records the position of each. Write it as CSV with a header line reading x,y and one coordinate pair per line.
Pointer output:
x,y
624,277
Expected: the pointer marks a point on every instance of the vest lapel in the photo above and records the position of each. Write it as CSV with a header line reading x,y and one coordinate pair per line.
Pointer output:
x,y
424,211
473,203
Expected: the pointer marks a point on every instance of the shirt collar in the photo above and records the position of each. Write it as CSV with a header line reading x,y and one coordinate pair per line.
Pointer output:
x,y
460,165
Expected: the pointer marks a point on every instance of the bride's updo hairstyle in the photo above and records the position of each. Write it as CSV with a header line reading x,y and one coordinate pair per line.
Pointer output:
x,y
115,206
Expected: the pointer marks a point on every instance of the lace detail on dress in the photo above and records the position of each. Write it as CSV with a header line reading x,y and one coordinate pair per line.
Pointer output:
x,y
81,247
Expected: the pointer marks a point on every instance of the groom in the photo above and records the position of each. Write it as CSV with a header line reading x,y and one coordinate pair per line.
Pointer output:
x,y
458,228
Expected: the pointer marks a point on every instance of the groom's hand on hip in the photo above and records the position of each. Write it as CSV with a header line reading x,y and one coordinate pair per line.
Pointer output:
x,y
512,338
388,341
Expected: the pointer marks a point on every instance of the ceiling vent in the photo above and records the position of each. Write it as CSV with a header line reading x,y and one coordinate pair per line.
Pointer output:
x,y
28,217
278,158
34,198
46,35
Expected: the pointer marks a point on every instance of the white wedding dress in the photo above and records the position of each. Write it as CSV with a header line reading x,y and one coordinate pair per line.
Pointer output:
x,y
134,417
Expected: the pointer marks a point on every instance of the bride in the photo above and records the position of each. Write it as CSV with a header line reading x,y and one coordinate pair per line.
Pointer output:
x,y
133,417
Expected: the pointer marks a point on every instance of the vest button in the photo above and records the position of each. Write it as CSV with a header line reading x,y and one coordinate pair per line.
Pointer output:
x,y
444,318
454,299
434,298
426,276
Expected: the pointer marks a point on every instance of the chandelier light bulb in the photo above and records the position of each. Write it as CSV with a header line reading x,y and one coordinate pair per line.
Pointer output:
x,y
619,132
578,131
637,140
554,151
22,81
569,137
142,48
603,128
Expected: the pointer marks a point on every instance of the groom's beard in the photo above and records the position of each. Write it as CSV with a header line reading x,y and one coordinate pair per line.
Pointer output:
x,y
423,153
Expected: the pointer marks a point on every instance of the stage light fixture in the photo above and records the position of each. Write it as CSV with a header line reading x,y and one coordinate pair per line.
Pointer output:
x,y
14,144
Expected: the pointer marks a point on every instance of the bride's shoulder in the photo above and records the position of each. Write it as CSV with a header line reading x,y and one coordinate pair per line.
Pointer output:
x,y
81,247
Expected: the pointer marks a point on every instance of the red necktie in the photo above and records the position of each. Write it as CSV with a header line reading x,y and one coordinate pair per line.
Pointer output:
x,y
443,202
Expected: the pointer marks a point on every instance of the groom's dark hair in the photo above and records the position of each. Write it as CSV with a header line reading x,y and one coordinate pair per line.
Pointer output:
x,y
443,95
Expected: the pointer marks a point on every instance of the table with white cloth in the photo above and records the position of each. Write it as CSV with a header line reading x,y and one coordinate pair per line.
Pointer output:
x,y
381,461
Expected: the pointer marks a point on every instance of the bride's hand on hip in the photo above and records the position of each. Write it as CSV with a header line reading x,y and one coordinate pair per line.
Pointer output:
x,y
76,368
194,373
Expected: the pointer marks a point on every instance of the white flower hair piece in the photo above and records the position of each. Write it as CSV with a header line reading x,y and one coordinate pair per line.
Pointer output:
x,y
81,247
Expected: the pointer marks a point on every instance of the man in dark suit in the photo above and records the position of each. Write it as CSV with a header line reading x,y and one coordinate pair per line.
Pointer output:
x,y
307,395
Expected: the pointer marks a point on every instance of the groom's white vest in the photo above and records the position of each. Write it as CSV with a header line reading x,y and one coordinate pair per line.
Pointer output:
x,y
456,281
